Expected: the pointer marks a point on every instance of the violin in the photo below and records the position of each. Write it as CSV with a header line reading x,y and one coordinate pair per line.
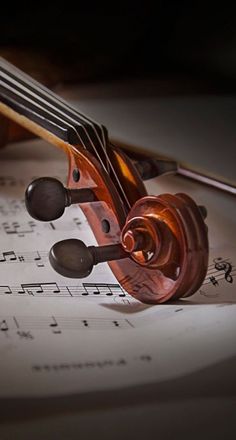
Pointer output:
x,y
156,246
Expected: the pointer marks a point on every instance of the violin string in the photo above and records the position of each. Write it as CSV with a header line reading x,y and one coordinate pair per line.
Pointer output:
x,y
48,104
34,103
62,102
37,86
28,100
58,110
38,97
92,122
85,118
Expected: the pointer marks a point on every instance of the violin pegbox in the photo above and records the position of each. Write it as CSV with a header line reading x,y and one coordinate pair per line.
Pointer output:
x,y
156,246
160,251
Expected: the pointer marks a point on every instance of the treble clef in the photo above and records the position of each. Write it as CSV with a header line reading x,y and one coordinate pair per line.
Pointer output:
x,y
225,266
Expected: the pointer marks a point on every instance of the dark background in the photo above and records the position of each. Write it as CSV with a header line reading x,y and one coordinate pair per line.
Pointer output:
x,y
166,38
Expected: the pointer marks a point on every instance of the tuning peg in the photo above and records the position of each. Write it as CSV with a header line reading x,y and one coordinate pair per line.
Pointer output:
x,y
73,259
46,198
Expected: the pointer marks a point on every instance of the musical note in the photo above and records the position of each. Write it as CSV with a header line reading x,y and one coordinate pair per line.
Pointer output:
x,y
53,289
3,326
103,289
30,227
54,326
26,327
8,256
19,229
34,289
37,257
214,281
5,290
30,289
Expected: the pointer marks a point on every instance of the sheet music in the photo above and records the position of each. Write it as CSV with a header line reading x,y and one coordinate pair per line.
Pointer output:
x,y
61,335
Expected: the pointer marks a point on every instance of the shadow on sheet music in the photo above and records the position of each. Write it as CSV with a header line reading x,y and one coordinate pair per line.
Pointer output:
x,y
217,289
178,305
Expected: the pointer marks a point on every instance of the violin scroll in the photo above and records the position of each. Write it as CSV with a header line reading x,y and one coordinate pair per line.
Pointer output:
x,y
161,253
167,236
158,250
156,246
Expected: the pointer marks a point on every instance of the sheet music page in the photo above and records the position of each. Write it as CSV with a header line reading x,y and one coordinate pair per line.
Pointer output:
x,y
61,335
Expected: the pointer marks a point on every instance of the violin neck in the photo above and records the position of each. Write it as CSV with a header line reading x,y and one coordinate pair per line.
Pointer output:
x,y
31,99
41,106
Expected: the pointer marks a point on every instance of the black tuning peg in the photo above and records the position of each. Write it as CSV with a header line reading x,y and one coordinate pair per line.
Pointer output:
x,y
73,259
46,198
